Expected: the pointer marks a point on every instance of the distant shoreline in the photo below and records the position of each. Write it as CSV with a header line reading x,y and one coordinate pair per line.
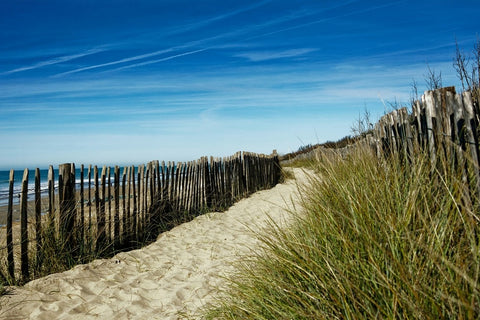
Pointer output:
x,y
31,207
16,210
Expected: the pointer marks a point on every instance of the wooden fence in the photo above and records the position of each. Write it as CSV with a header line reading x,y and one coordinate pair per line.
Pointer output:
x,y
442,122
119,211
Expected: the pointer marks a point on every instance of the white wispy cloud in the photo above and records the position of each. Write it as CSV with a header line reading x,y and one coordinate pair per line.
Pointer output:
x,y
216,41
257,56
180,29
159,60
208,21
125,60
55,61
327,18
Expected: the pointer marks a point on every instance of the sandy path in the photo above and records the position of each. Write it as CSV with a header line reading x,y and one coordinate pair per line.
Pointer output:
x,y
169,279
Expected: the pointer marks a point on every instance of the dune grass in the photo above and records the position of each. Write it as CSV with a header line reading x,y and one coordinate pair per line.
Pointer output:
x,y
376,239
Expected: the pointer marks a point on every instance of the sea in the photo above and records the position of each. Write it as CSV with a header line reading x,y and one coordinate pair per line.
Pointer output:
x,y
18,176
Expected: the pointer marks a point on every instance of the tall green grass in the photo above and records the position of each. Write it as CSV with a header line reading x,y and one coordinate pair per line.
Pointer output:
x,y
376,239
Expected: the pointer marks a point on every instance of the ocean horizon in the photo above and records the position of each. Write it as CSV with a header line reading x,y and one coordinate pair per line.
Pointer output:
x,y
18,176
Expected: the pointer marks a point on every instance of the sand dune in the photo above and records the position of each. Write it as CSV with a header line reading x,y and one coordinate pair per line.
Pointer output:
x,y
169,279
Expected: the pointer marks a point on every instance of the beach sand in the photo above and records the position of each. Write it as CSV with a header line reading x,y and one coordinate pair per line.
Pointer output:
x,y
173,278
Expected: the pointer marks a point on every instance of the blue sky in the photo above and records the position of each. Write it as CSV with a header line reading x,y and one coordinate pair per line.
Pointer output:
x,y
125,82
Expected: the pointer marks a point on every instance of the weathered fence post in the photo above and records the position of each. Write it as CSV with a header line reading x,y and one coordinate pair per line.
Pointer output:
x,y
108,215
11,264
471,136
116,195
150,191
134,232
97,207
124,198
428,102
101,234
128,225
51,200
208,183
90,204
66,182
141,202
23,228
146,186
81,233
38,221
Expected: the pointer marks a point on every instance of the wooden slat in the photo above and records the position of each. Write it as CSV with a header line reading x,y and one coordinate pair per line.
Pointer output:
x,y
230,179
97,204
146,191
90,203
428,103
184,186
471,138
198,185
470,125
167,187
141,201
439,118
155,179
208,184
195,186
222,183
246,171
459,120
189,186
116,219
145,197
81,225
409,135
51,198
451,147
10,261
23,228
134,231
183,204
38,221
216,183
124,205
211,179
158,178
128,213
101,232
67,204
178,186
458,142
151,190
416,125
163,189
392,133
108,200
228,193
173,185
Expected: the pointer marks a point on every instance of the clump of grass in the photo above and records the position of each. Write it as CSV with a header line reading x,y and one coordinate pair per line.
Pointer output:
x,y
302,163
287,174
376,239
58,256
